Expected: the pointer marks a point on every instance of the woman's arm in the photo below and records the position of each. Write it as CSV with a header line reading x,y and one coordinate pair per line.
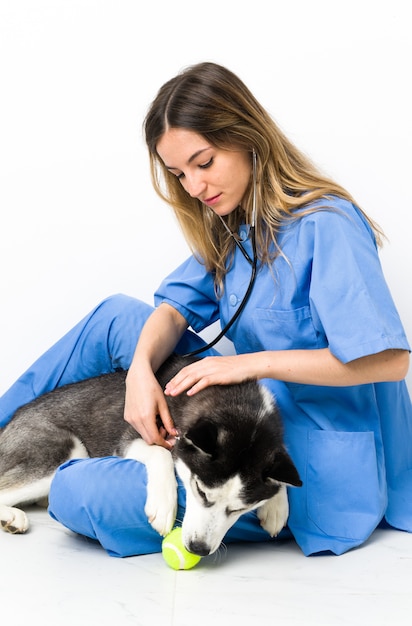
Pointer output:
x,y
310,367
144,397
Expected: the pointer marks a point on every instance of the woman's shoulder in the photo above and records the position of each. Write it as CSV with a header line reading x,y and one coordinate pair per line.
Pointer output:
x,y
328,204
329,221
332,210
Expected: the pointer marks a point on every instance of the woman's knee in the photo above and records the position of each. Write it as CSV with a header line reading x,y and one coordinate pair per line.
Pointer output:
x,y
124,318
123,306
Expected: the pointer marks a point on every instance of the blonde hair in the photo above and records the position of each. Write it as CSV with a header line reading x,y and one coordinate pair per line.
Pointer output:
x,y
213,102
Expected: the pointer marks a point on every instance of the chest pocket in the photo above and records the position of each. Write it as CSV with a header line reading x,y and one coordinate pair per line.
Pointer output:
x,y
286,329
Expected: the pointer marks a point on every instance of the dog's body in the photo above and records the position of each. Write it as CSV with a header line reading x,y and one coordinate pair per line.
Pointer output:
x,y
230,454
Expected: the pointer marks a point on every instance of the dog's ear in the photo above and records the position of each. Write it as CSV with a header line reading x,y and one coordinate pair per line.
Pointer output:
x,y
282,470
203,436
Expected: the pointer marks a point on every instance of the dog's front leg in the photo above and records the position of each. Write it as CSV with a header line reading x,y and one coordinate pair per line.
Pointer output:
x,y
274,513
161,501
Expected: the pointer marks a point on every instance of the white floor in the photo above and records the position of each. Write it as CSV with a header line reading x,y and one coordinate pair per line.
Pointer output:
x,y
54,577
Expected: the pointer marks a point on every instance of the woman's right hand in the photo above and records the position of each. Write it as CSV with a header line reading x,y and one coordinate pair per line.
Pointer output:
x,y
145,403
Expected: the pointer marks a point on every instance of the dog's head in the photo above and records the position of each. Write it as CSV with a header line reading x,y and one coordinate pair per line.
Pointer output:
x,y
231,459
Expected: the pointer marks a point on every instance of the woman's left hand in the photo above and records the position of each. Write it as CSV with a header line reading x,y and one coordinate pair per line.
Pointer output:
x,y
306,367
212,370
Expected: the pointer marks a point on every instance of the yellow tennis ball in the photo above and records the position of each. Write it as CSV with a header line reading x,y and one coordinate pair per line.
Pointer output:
x,y
174,552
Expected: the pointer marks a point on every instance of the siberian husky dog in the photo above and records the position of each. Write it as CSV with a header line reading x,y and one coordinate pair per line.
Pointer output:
x,y
230,454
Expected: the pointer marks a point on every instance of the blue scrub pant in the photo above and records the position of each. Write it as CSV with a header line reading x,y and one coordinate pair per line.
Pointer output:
x,y
104,341
104,498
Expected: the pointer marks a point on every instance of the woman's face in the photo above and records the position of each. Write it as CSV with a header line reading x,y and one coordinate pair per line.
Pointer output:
x,y
218,178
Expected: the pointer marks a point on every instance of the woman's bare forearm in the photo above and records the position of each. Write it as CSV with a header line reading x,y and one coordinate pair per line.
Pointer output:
x,y
159,336
320,367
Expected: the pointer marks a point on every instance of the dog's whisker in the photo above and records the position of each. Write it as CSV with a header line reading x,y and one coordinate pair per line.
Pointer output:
x,y
217,557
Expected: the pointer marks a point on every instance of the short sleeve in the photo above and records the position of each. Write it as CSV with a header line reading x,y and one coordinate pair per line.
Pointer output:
x,y
190,290
349,297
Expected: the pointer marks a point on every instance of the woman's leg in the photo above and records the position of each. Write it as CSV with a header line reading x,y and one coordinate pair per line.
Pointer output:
x,y
104,499
102,342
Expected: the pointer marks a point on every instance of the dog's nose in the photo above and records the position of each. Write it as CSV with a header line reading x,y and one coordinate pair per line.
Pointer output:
x,y
198,547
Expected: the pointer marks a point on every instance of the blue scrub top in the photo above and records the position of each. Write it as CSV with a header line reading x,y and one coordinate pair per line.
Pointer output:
x,y
352,445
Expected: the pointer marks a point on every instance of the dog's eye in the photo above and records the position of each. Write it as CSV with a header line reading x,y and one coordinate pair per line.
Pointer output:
x,y
204,497
201,493
236,511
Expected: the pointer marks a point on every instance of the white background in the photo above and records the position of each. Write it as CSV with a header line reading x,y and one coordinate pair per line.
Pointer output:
x,y
79,219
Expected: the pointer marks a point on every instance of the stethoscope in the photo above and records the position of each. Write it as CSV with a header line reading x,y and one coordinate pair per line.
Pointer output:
x,y
252,262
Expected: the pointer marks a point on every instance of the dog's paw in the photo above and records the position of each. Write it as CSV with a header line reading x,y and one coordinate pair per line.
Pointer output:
x,y
161,505
12,520
161,499
274,513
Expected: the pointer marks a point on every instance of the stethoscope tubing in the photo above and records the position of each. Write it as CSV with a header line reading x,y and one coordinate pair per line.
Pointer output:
x,y
253,263
245,299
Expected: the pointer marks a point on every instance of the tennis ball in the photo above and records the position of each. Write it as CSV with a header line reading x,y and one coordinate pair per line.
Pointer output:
x,y
174,552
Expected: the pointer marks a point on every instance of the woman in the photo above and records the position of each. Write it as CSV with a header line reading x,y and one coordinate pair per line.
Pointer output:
x,y
319,327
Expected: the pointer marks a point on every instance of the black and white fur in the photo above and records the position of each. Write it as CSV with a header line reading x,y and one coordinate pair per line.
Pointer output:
x,y
230,454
